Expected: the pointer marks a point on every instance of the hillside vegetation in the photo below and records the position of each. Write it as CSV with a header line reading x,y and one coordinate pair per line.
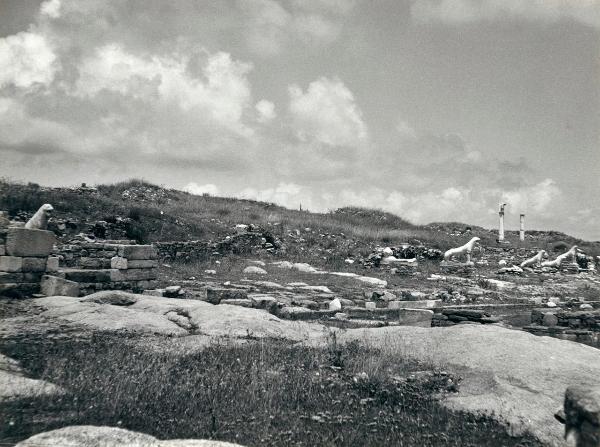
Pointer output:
x,y
150,213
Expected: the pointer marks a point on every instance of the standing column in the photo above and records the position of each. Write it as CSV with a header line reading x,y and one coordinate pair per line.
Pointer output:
x,y
522,227
501,229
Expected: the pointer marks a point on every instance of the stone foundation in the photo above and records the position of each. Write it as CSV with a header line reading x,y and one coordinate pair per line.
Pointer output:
x,y
248,240
109,265
24,259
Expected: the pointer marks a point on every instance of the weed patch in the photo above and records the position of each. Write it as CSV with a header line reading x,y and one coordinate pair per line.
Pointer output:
x,y
258,393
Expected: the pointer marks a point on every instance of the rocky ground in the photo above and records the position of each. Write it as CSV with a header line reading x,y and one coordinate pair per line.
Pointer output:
x,y
271,305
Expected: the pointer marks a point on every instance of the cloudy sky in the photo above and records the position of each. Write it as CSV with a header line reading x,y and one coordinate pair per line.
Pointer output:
x,y
433,109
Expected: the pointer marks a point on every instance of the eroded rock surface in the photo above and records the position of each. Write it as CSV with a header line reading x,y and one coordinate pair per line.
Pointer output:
x,y
116,310
14,384
93,436
514,374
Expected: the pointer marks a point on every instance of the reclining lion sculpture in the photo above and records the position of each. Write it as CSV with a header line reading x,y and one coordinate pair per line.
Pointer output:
x,y
535,260
462,250
572,253
39,221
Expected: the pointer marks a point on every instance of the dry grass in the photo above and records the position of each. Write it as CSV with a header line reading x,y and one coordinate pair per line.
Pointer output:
x,y
187,216
257,393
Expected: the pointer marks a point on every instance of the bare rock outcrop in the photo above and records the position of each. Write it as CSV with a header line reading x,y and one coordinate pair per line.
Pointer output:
x,y
98,436
520,377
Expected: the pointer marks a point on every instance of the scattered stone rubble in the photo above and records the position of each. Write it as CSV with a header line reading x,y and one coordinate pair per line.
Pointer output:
x,y
406,251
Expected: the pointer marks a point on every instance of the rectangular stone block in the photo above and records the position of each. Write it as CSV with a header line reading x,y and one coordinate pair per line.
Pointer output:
x,y
142,263
34,264
117,262
55,286
11,264
149,284
52,264
19,264
89,276
421,304
10,277
138,274
137,252
29,243
94,263
19,290
2,250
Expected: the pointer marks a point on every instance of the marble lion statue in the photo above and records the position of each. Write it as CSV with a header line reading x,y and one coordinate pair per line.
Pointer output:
x,y
572,253
39,221
467,248
535,260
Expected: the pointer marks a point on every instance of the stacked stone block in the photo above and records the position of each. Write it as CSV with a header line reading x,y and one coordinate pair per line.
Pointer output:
x,y
24,259
109,266
90,255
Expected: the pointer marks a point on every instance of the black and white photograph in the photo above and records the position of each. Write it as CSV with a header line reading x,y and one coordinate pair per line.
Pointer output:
x,y
299,223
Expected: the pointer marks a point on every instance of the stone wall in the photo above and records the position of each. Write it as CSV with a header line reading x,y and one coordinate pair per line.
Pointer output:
x,y
83,253
184,251
24,259
582,319
249,240
110,266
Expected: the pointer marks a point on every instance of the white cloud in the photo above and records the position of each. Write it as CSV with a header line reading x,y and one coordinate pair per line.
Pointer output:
x,y
286,194
224,94
537,198
327,113
313,27
463,11
271,26
51,8
18,128
406,130
267,26
266,111
196,189
26,59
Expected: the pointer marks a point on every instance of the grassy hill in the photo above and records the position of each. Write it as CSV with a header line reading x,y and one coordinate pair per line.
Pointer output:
x,y
139,210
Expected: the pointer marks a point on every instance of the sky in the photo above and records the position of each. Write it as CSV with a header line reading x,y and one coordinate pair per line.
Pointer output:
x,y
435,110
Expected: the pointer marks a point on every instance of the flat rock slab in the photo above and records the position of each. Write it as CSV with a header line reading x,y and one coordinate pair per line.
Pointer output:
x,y
122,311
519,376
90,435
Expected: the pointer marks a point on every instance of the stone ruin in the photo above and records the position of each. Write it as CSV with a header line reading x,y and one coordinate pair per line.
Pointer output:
x,y
403,259
582,325
31,263
25,257
248,239
109,265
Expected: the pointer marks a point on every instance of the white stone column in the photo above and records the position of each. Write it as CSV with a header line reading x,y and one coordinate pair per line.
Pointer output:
x,y
501,228
522,227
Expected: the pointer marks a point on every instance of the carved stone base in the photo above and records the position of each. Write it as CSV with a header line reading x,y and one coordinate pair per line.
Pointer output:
x,y
457,268
569,268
